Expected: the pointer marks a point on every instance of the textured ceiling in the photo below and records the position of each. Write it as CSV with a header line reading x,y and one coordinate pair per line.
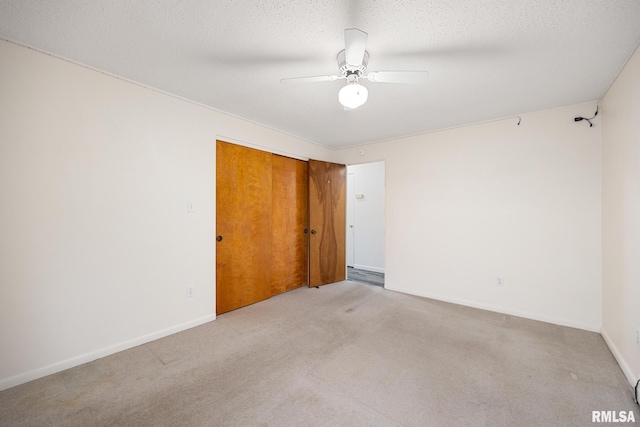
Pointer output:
x,y
487,59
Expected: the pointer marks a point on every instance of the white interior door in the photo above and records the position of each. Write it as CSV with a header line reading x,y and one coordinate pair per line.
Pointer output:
x,y
365,216
351,195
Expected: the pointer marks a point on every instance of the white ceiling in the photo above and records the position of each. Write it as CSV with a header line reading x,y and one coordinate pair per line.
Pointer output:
x,y
487,59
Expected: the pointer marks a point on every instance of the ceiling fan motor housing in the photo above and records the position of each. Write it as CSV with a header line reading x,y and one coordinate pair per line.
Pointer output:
x,y
347,69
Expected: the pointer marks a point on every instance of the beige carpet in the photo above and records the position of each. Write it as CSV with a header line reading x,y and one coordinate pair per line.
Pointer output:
x,y
346,354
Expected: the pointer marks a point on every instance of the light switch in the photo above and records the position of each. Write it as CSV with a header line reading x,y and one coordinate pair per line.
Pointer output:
x,y
190,207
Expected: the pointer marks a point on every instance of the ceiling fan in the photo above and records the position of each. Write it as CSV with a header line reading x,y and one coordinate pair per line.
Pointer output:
x,y
352,65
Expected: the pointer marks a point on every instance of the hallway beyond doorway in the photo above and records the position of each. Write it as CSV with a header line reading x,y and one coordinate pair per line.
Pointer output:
x,y
364,276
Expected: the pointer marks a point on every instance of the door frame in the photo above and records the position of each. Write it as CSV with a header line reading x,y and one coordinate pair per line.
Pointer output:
x,y
351,205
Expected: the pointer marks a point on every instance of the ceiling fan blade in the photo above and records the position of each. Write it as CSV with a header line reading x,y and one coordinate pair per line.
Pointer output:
x,y
314,79
409,77
355,43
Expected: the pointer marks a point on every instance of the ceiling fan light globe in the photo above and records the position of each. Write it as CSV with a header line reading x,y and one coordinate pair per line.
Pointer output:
x,y
353,95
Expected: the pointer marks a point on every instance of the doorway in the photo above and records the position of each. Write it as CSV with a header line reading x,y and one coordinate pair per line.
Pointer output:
x,y
365,223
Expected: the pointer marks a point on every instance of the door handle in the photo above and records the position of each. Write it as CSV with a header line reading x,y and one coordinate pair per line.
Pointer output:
x,y
219,238
306,230
313,231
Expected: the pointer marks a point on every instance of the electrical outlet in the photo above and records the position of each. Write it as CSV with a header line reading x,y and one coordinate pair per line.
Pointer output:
x,y
499,281
190,291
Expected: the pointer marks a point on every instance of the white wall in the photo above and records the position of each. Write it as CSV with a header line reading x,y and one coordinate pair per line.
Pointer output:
x,y
621,217
467,204
97,247
368,215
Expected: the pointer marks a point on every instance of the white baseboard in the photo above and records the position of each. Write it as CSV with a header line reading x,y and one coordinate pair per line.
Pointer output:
x,y
368,268
623,363
34,374
503,310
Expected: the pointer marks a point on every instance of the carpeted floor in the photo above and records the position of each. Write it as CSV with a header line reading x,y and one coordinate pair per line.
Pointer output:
x,y
365,276
346,354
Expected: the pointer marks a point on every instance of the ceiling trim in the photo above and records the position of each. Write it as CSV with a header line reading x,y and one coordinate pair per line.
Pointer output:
x,y
162,92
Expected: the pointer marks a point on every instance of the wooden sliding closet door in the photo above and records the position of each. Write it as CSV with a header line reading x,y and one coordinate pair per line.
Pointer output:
x,y
243,226
327,221
289,219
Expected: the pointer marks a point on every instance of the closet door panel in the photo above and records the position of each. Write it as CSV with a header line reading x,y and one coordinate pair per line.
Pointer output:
x,y
243,226
289,221
327,222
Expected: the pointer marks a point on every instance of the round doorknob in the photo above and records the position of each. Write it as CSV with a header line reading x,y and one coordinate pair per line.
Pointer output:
x,y
219,238
313,231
